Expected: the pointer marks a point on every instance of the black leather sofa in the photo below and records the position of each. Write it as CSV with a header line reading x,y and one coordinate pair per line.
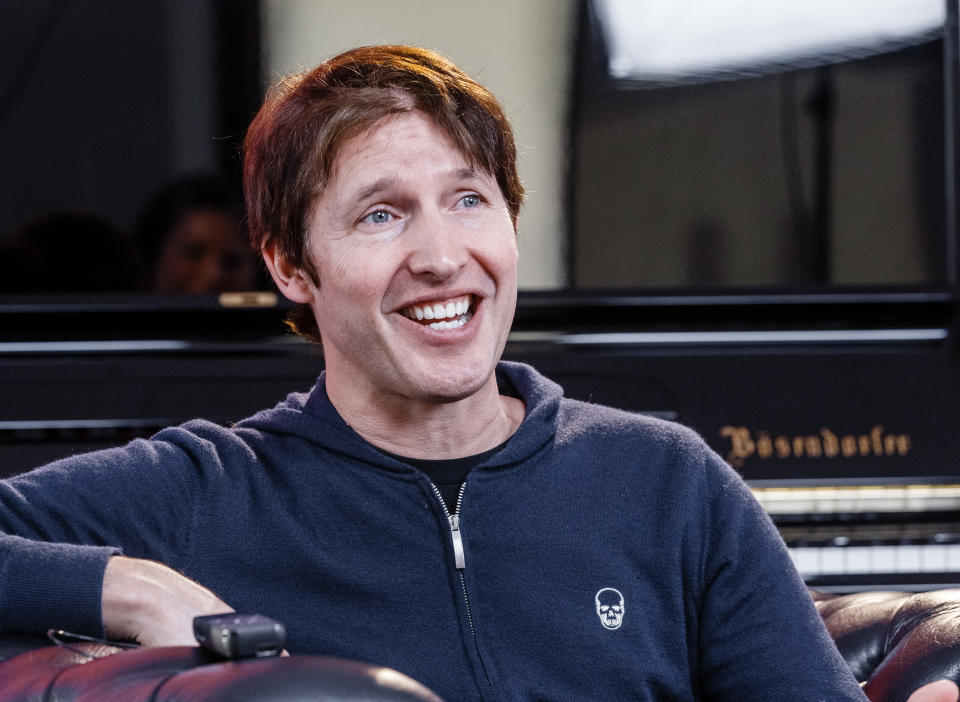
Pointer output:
x,y
894,642
34,670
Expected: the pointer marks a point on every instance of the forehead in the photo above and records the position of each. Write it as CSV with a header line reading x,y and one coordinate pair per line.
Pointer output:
x,y
408,140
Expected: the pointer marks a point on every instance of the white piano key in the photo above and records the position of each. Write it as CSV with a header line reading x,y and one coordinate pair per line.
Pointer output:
x,y
832,561
825,500
794,502
909,559
933,558
919,497
953,557
806,559
943,498
787,501
858,559
887,498
845,502
883,559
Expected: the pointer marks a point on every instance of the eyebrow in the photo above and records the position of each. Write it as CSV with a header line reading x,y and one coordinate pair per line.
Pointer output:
x,y
377,186
388,182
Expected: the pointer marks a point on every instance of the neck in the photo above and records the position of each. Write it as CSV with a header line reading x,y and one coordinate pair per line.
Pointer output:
x,y
429,429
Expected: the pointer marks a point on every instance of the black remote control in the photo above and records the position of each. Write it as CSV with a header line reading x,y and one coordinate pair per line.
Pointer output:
x,y
240,635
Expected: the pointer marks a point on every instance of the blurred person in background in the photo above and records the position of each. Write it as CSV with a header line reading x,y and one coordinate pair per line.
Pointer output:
x,y
192,239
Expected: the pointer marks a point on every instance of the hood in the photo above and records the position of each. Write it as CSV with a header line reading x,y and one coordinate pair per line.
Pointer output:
x,y
312,417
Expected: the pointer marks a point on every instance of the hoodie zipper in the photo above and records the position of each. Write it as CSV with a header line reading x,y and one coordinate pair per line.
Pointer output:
x,y
460,563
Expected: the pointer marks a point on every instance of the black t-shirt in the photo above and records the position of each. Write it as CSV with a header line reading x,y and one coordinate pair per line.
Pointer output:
x,y
448,474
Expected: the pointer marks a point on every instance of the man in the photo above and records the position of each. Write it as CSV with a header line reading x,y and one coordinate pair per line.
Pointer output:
x,y
425,507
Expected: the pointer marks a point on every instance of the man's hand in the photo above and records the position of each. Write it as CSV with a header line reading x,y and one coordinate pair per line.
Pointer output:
x,y
155,605
939,691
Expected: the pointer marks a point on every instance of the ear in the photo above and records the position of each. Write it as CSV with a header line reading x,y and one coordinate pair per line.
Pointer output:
x,y
293,282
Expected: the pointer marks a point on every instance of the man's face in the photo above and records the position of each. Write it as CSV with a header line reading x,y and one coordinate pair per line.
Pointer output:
x,y
417,261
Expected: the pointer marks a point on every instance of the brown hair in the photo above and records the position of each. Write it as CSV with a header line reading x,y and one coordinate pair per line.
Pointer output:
x,y
291,146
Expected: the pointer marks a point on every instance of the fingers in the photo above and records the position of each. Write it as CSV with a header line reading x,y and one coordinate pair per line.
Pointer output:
x,y
939,691
155,605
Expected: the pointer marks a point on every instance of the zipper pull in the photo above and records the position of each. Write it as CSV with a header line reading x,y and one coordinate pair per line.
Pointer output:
x,y
459,560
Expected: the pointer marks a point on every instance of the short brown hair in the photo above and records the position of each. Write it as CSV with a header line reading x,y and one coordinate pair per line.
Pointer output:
x,y
292,143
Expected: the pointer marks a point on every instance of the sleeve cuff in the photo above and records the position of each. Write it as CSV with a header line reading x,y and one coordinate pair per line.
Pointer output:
x,y
44,586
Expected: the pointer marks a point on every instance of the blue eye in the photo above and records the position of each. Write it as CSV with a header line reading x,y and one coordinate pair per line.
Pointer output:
x,y
378,217
470,200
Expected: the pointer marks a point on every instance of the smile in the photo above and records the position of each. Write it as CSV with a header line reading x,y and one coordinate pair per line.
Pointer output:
x,y
442,314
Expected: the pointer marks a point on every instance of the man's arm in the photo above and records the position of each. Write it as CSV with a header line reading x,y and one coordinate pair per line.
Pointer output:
x,y
150,603
759,627
62,525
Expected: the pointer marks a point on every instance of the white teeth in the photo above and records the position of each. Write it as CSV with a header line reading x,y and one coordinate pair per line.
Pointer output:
x,y
452,324
441,310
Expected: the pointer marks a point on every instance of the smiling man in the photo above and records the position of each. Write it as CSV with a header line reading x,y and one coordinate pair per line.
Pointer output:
x,y
425,506
412,280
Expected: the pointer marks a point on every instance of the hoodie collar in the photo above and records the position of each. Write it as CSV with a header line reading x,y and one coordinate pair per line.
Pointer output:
x,y
315,419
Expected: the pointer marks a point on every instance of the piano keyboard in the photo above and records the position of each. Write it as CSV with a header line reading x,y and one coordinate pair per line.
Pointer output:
x,y
864,549
858,499
883,535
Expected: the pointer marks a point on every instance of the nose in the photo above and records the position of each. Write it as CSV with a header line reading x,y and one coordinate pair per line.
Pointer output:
x,y
437,247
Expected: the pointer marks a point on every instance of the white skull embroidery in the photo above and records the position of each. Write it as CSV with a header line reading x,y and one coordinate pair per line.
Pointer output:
x,y
610,607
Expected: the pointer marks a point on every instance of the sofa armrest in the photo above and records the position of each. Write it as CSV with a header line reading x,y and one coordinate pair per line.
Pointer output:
x,y
895,642
85,671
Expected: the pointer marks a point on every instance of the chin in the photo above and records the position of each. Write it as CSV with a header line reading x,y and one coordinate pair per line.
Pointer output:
x,y
452,387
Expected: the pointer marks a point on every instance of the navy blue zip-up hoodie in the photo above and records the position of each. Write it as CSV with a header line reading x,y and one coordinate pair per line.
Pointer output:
x,y
605,556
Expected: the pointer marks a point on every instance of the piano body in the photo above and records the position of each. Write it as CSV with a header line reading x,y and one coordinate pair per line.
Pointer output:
x,y
843,417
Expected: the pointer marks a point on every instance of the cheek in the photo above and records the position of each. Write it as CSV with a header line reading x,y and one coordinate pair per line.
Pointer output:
x,y
505,258
498,245
339,270
350,275
514,252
